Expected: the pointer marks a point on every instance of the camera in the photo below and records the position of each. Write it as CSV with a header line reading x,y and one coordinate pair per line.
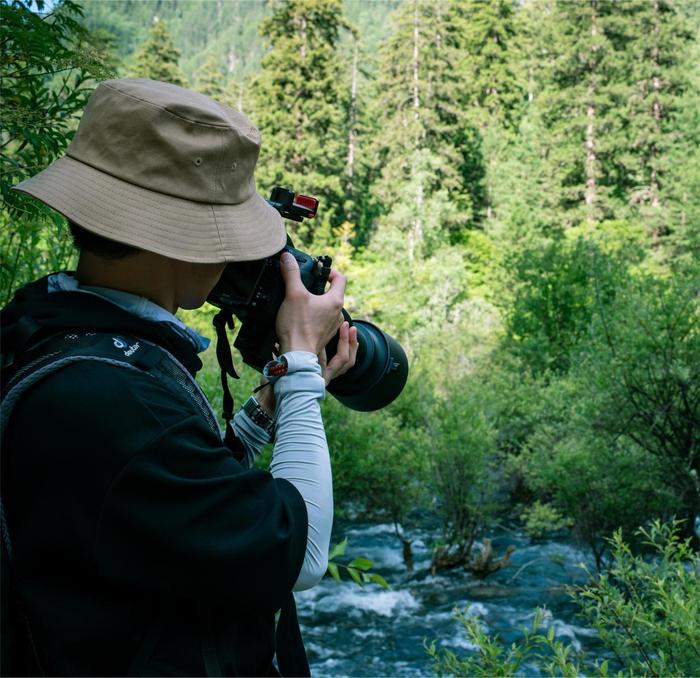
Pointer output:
x,y
254,291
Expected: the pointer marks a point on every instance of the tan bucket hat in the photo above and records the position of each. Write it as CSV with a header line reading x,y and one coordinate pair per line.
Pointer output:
x,y
164,169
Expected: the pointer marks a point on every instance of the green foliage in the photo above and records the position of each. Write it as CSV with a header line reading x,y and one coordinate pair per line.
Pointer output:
x,y
606,81
227,29
542,519
492,658
558,286
300,102
615,440
424,180
158,58
658,75
379,462
646,612
48,69
358,569
601,485
211,78
494,86
463,464
641,376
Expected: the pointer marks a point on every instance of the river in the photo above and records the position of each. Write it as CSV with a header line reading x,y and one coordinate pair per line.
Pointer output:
x,y
353,631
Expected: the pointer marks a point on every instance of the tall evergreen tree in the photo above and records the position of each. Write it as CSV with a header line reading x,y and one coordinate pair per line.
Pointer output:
x,y
660,71
157,58
494,89
210,77
301,103
579,96
420,135
607,102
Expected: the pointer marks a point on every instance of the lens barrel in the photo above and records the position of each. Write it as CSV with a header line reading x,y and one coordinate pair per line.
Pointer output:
x,y
379,373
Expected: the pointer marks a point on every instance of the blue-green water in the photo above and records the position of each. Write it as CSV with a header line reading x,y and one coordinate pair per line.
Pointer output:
x,y
350,631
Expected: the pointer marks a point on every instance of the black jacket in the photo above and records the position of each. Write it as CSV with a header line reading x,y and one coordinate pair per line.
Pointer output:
x,y
135,533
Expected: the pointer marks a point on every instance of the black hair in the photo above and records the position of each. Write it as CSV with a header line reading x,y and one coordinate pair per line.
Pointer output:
x,y
86,241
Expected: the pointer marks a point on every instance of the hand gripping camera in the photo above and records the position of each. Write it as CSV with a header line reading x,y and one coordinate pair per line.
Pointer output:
x,y
254,291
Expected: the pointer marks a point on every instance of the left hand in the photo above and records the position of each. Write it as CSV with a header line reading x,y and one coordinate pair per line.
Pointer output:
x,y
341,362
344,357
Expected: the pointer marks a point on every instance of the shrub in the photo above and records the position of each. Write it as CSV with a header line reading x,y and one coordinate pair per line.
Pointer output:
x,y
541,519
646,611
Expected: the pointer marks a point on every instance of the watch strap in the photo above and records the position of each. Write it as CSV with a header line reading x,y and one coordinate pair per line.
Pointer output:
x,y
259,416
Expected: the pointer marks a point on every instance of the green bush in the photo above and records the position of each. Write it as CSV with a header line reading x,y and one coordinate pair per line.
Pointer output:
x,y
49,66
646,611
541,519
465,478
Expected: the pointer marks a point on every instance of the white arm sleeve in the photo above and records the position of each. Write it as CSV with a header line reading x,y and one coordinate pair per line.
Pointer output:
x,y
301,456
253,437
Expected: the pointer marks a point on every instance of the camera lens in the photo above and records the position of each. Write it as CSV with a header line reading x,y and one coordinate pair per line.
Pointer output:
x,y
379,373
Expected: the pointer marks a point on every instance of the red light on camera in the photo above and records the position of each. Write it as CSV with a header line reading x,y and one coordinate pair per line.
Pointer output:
x,y
307,202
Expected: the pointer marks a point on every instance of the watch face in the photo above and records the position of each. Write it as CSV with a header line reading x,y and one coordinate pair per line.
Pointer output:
x,y
253,409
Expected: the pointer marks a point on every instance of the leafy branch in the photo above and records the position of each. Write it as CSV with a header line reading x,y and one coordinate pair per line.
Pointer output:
x,y
358,569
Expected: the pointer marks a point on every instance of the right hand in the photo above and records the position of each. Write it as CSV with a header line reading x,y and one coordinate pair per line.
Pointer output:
x,y
305,321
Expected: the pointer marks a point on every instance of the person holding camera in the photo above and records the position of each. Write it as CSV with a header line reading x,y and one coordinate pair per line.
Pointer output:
x,y
137,539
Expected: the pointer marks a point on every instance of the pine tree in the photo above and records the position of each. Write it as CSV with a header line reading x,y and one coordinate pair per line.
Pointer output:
x,y
420,137
157,58
301,103
494,89
580,92
210,78
607,103
660,70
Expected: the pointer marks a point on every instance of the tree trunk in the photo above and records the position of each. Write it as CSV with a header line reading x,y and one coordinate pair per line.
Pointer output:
x,y
407,550
415,237
297,159
407,553
352,133
415,64
656,113
240,96
591,195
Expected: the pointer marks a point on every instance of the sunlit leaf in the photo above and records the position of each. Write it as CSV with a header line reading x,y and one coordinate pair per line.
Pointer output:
x,y
338,550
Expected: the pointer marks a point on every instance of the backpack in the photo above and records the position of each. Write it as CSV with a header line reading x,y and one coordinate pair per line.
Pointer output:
x,y
19,652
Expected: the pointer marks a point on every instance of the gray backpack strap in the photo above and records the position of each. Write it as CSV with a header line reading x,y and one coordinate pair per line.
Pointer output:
x,y
121,351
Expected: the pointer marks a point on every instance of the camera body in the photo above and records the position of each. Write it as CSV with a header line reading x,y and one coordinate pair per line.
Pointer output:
x,y
254,291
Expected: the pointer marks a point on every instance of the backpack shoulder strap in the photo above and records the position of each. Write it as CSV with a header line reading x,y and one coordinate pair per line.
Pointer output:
x,y
126,352
123,351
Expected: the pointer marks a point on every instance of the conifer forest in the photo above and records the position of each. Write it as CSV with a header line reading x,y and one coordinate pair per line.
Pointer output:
x,y
512,188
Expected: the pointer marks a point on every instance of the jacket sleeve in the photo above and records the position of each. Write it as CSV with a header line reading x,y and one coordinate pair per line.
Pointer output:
x,y
184,518
115,473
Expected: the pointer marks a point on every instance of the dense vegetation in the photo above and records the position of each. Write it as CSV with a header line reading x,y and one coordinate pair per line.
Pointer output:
x,y
513,190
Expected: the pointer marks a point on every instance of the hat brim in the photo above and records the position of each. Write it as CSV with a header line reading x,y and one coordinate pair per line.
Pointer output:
x,y
170,226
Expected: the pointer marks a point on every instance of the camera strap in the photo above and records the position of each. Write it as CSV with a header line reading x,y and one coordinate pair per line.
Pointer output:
x,y
223,320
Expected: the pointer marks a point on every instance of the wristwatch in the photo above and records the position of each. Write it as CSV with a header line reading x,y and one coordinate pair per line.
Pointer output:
x,y
259,416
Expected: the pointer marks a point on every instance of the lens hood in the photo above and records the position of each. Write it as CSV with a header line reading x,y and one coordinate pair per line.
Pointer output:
x,y
379,374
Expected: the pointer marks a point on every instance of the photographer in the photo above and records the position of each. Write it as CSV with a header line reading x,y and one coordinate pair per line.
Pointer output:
x,y
139,540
